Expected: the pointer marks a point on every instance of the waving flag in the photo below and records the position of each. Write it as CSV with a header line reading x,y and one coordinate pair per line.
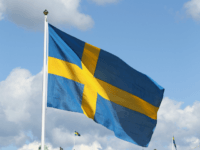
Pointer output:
x,y
86,79
76,133
174,143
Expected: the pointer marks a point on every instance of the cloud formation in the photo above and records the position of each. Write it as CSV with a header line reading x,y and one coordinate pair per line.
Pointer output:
x,y
193,9
35,145
20,115
182,123
29,13
93,146
17,103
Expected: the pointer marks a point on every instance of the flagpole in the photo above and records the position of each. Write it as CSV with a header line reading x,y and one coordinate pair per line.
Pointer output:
x,y
172,143
74,141
44,82
47,53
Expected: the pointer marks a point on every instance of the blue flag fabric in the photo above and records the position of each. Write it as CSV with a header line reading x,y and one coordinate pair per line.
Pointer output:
x,y
86,79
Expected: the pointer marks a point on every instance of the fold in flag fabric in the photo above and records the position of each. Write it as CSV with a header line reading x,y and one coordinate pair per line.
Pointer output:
x,y
174,143
76,133
86,79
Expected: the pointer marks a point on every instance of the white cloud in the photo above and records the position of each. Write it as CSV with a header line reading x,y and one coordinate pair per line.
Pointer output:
x,y
18,97
19,84
193,9
29,14
186,118
103,2
94,146
35,145
109,148
182,123
59,136
20,113
17,138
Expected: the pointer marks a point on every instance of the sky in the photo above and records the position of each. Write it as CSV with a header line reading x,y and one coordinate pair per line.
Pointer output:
x,y
157,38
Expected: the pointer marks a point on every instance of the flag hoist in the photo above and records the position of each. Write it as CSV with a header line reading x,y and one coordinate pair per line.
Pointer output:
x,y
44,91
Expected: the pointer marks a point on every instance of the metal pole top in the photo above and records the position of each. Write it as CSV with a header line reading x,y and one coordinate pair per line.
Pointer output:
x,y
45,12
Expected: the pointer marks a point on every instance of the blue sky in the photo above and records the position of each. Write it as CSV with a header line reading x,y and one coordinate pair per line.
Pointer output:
x,y
160,39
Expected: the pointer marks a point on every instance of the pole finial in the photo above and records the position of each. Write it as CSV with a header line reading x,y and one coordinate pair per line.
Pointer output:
x,y
45,12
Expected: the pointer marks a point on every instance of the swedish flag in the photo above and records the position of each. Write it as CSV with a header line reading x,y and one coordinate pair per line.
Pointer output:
x,y
86,79
76,133
174,143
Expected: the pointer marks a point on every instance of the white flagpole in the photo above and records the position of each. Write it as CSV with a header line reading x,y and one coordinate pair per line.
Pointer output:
x,y
74,140
44,82
172,143
47,28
